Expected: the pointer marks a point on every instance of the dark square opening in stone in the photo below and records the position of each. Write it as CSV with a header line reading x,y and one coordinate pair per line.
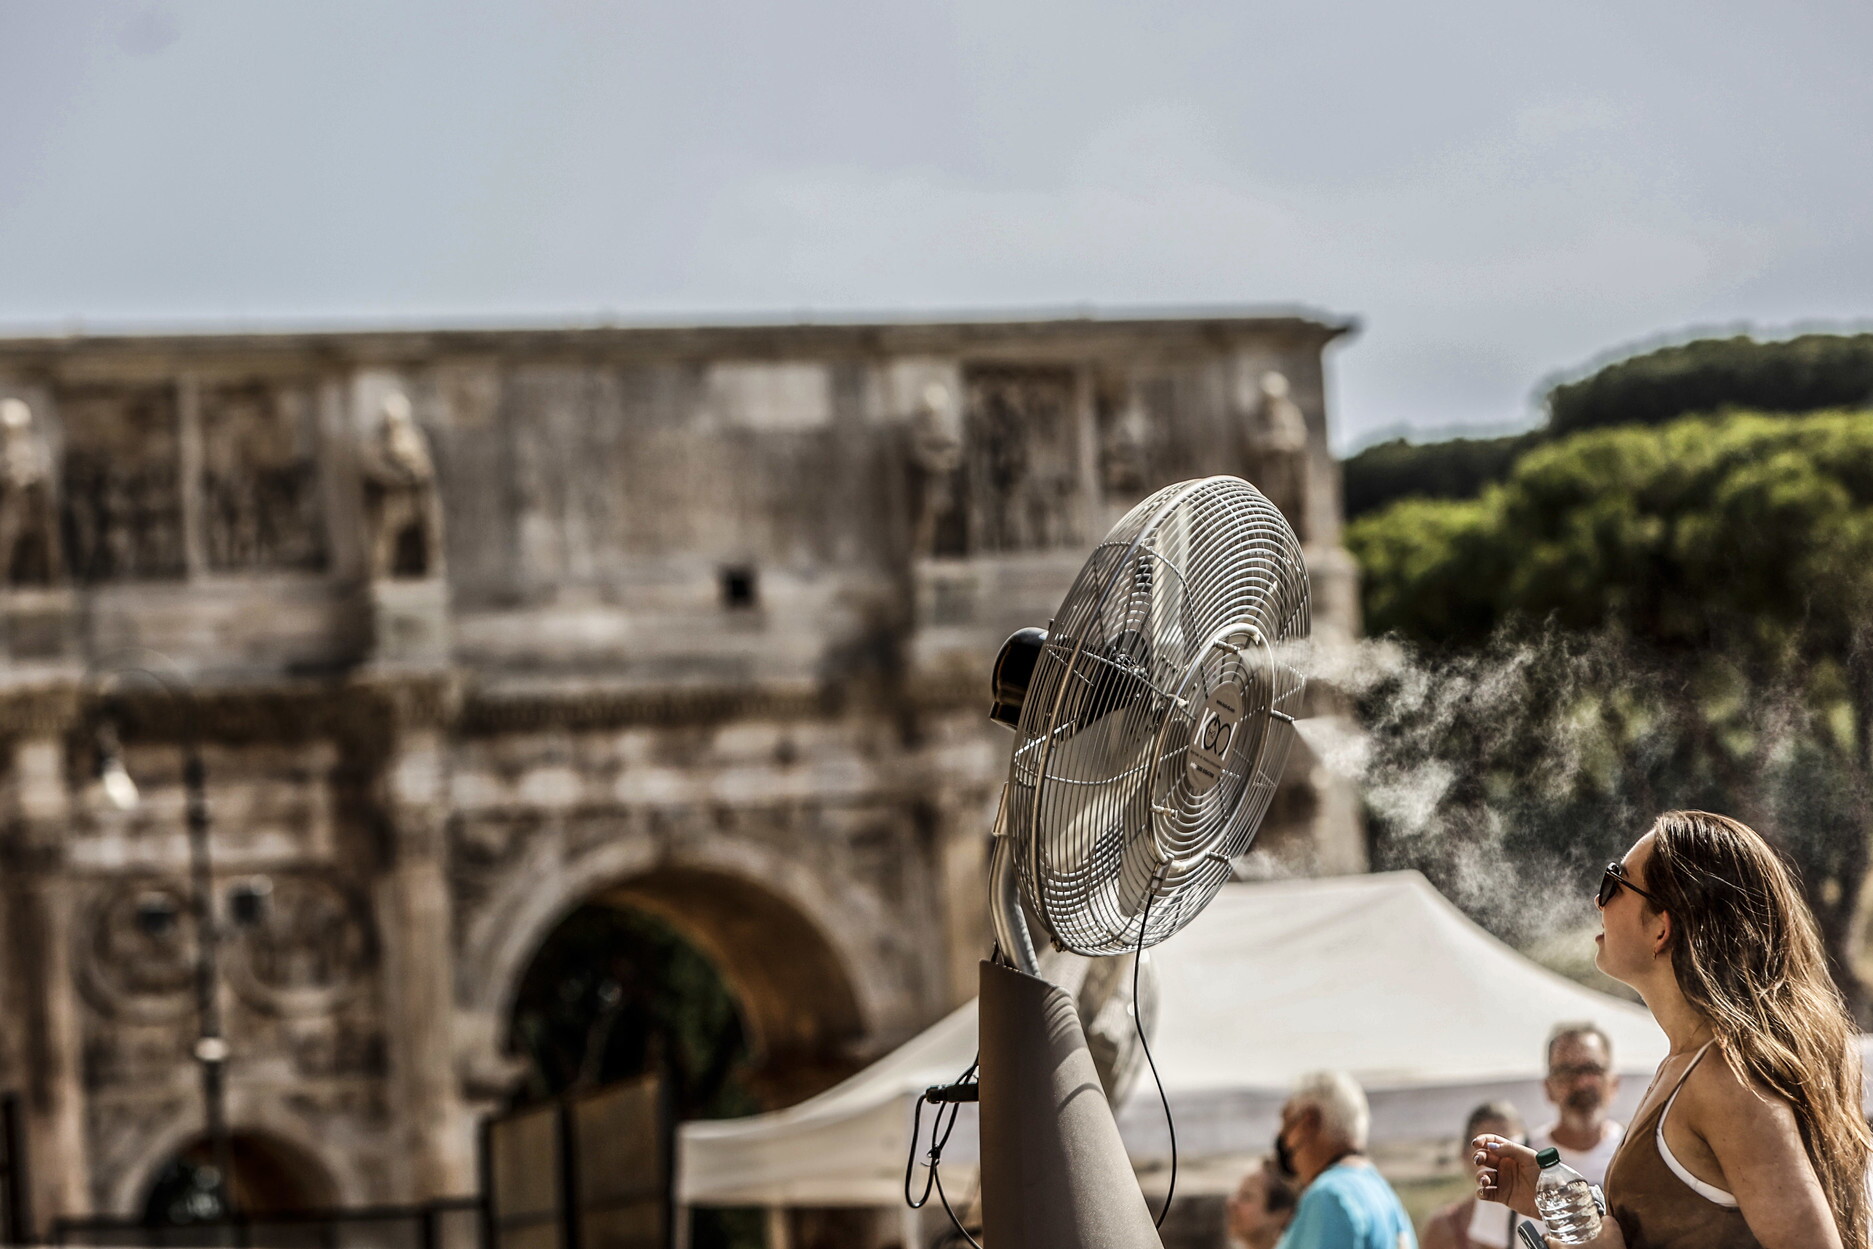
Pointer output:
x,y
740,588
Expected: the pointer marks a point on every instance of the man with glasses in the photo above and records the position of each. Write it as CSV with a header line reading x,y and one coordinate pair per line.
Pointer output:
x,y
1581,1084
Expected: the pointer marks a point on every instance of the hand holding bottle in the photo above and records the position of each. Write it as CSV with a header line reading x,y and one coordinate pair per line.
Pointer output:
x,y
1506,1173
1569,1205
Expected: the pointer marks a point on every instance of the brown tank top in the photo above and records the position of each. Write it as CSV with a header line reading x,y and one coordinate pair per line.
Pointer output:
x,y
1658,1210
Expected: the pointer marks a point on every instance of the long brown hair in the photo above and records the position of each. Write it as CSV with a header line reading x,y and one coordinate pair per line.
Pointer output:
x,y
1749,957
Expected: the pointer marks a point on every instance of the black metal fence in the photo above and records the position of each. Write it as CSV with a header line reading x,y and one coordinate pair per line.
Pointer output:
x,y
15,1217
451,1224
589,1171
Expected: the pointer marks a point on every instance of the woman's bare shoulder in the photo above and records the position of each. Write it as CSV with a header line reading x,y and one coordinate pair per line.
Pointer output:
x,y
1717,1093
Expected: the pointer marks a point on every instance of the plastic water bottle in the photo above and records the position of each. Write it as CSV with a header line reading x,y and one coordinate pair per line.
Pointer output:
x,y
1565,1200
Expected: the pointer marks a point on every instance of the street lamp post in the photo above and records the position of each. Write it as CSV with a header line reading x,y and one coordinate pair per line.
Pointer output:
x,y
211,1047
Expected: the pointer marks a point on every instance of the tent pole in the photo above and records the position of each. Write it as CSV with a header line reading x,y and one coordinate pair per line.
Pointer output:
x,y
910,1232
779,1233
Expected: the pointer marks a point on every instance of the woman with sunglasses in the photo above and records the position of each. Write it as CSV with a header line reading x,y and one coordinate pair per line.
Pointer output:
x,y
1751,1134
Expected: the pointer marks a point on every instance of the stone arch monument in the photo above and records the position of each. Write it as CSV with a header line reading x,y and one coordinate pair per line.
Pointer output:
x,y
694,621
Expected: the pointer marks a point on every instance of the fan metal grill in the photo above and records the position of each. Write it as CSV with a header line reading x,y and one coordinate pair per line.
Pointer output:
x,y
1159,716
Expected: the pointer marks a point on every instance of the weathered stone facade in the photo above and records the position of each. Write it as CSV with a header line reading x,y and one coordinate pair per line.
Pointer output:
x,y
482,626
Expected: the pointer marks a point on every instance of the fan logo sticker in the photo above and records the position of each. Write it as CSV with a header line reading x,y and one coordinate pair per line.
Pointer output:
x,y
1216,728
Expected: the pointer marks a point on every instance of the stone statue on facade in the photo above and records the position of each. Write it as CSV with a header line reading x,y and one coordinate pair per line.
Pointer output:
x,y
29,546
1277,452
1125,451
937,450
402,507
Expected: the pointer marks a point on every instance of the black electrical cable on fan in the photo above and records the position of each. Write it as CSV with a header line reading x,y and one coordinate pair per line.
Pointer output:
x,y
1138,1022
953,1219
951,1096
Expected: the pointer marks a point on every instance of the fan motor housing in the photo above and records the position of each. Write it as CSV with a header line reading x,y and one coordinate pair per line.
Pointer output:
x,y
1234,711
1014,672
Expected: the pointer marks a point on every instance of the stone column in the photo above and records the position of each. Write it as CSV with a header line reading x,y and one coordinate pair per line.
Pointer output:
x,y
1092,494
416,921
189,471
40,998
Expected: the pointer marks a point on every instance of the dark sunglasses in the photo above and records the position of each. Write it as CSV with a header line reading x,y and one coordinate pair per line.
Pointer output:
x,y
1573,1071
1611,883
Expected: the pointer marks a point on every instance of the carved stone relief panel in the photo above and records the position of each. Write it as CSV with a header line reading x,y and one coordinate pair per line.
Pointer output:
x,y
474,448
342,1110
485,849
313,946
119,1053
260,493
136,955
326,1046
1020,476
567,466
121,491
124,1128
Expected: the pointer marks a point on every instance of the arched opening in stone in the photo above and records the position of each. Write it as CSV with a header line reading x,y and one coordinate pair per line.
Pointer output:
x,y
270,1176
710,981
616,992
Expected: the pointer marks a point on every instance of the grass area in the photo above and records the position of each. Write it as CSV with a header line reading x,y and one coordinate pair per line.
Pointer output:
x,y
1425,1196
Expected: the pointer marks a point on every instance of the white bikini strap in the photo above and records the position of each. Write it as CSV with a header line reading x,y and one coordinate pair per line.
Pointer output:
x,y
1679,1087
1709,1192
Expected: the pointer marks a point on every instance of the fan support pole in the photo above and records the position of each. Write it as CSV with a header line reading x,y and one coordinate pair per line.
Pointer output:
x,y
1055,1174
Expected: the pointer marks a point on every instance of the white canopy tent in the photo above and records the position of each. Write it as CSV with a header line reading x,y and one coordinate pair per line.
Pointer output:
x,y
1377,975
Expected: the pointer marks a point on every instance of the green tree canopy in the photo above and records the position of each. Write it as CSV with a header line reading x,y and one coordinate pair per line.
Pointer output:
x,y
1810,373
1457,468
1745,529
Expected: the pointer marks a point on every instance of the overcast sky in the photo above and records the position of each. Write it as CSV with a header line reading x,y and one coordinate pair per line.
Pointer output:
x,y
1497,190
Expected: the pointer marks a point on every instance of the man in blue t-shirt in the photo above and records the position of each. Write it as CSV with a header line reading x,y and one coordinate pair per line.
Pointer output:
x,y
1345,1203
